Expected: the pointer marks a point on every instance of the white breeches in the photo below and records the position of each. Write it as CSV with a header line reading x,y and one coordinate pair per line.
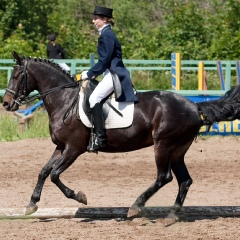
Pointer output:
x,y
103,89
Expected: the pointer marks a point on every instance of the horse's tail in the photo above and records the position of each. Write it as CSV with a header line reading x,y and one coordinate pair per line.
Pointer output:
x,y
226,108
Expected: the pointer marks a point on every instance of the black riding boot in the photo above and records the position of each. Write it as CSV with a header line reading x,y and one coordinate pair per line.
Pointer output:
x,y
99,139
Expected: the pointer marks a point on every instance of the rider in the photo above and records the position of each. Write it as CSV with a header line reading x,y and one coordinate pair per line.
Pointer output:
x,y
109,60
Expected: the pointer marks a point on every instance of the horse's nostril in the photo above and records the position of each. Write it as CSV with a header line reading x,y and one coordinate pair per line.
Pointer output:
x,y
6,105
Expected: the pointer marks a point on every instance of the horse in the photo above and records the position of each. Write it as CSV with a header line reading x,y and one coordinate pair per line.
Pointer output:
x,y
167,120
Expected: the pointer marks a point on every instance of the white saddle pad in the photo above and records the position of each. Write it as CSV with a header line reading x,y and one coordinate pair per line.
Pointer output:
x,y
113,120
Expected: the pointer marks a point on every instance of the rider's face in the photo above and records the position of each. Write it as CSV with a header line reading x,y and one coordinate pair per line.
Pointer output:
x,y
99,21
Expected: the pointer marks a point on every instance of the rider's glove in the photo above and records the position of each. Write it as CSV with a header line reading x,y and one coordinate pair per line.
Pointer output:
x,y
84,75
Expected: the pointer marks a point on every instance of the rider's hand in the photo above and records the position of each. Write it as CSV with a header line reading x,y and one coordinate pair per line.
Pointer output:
x,y
84,75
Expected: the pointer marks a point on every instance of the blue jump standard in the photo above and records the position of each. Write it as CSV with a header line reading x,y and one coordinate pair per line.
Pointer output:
x,y
202,98
31,109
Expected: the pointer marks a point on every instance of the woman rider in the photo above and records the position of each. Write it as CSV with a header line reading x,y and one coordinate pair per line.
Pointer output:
x,y
109,60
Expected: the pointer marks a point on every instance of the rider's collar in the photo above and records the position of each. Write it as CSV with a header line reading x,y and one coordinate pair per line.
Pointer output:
x,y
100,30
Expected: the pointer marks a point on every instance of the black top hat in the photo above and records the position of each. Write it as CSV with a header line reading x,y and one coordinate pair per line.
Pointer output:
x,y
103,11
52,37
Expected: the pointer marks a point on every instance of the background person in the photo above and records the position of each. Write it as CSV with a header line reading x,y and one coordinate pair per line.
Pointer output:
x,y
55,51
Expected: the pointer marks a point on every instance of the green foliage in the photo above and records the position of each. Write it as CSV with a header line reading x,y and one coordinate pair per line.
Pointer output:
x,y
226,38
208,29
23,26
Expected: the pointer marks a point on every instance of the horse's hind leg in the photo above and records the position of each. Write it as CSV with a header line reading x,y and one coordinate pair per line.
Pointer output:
x,y
164,176
184,181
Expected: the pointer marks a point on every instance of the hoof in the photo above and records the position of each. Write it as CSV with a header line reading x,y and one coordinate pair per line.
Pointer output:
x,y
173,215
81,197
176,208
31,208
171,219
134,211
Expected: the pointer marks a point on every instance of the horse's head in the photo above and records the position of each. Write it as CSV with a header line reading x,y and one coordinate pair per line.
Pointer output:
x,y
36,74
18,86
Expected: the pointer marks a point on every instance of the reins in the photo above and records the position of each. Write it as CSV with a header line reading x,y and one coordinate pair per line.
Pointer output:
x,y
75,100
40,95
45,93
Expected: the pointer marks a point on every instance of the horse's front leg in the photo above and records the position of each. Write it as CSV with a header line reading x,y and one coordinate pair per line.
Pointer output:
x,y
66,159
46,170
56,165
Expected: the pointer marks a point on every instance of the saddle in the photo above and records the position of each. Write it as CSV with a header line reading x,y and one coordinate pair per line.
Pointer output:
x,y
116,114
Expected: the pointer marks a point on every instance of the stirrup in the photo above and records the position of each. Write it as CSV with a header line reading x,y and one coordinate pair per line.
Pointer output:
x,y
90,145
96,143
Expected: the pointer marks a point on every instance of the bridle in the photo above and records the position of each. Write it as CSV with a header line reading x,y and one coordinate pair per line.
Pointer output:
x,y
20,95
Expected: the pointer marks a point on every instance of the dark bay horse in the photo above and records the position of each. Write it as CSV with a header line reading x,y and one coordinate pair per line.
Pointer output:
x,y
164,119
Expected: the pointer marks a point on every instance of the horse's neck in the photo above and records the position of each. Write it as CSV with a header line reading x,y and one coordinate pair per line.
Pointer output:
x,y
48,77
48,82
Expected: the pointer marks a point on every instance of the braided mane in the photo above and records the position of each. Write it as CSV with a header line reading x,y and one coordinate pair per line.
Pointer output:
x,y
51,63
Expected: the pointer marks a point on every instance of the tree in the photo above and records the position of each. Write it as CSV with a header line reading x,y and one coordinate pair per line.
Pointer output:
x,y
199,29
25,21
225,38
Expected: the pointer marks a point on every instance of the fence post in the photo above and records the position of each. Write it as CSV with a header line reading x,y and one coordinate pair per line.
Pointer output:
x,y
200,75
228,75
238,71
73,68
176,70
220,73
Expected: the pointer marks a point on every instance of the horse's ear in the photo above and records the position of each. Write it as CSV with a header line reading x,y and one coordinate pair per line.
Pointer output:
x,y
16,58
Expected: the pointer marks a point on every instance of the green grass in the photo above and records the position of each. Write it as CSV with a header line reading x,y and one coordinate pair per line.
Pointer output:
x,y
9,128
37,127
153,80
